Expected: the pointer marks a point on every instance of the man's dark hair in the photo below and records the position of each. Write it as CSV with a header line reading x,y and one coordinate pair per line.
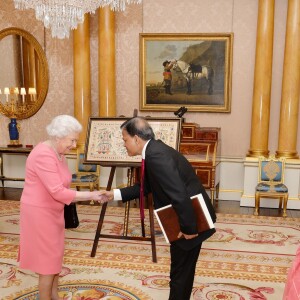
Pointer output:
x,y
166,62
140,127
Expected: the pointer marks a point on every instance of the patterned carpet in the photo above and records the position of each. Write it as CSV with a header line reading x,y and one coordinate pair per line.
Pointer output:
x,y
248,258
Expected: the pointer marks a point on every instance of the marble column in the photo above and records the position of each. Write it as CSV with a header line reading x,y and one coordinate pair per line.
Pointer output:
x,y
262,80
287,141
82,77
107,73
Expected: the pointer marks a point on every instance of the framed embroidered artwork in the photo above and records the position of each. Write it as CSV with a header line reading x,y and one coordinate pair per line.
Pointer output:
x,y
104,144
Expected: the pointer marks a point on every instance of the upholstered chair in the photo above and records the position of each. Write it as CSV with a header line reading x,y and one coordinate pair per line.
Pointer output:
x,y
271,182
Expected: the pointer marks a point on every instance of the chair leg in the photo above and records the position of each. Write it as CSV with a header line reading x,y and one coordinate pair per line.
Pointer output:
x,y
280,203
91,189
285,200
257,201
217,195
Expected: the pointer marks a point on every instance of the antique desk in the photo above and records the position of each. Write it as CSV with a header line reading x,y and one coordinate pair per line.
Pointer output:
x,y
12,151
202,147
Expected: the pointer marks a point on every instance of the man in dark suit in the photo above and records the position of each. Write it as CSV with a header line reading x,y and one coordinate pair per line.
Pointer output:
x,y
171,180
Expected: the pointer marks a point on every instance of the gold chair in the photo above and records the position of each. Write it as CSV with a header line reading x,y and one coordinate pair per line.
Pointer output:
x,y
270,182
86,176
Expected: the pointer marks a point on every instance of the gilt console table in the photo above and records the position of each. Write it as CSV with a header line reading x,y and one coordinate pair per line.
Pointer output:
x,y
11,151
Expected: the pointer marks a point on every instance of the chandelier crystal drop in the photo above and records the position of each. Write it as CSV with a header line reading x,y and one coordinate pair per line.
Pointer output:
x,y
62,16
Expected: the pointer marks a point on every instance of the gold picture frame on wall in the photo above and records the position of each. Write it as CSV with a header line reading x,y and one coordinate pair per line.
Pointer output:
x,y
105,146
191,70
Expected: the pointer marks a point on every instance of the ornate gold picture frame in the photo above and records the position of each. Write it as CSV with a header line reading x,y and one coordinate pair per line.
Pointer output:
x,y
104,144
193,70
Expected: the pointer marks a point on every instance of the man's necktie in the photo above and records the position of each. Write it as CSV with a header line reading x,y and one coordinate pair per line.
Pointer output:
x,y
142,190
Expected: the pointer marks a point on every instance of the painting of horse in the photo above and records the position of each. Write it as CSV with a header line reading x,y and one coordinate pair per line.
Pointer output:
x,y
195,72
190,70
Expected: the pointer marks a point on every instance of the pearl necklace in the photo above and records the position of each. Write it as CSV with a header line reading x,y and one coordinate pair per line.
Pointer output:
x,y
59,156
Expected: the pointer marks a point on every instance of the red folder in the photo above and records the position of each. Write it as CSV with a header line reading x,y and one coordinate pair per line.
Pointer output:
x,y
169,223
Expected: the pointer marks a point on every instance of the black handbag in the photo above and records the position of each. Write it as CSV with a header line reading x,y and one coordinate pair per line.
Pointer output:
x,y
71,217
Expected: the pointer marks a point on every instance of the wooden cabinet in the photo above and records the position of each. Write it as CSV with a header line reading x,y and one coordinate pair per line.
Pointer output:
x,y
202,147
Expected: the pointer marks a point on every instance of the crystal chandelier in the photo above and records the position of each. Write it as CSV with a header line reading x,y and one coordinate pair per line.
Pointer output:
x,y
63,15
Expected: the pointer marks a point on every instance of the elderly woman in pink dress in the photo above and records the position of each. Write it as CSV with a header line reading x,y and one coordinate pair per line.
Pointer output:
x,y
46,191
292,287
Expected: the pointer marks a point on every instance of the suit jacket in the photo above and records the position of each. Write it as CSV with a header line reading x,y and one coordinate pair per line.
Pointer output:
x,y
172,180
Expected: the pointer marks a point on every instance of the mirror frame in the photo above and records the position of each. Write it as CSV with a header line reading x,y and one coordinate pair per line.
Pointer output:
x,y
44,73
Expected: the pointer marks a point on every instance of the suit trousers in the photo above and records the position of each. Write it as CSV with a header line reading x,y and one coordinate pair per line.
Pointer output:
x,y
183,266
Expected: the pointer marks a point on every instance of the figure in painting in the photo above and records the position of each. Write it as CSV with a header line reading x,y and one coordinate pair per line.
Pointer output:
x,y
168,65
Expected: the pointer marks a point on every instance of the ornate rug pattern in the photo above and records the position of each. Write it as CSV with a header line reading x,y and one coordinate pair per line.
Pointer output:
x,y
248,258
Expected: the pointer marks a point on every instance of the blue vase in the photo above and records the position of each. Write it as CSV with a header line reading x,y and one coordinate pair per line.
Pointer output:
x,y
13,131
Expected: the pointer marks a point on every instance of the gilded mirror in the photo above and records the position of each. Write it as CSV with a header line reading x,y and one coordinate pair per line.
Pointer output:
x,y
24,76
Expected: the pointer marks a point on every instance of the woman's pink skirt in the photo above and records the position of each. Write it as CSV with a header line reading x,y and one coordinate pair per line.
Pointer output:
x,y
42,233
292,287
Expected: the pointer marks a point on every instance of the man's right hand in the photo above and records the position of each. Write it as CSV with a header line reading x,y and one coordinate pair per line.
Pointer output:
x,y
106,195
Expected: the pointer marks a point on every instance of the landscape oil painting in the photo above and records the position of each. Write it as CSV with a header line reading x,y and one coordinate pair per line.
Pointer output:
x,y
191,70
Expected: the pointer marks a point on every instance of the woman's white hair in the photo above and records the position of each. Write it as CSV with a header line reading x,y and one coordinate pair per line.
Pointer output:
x,y
63,125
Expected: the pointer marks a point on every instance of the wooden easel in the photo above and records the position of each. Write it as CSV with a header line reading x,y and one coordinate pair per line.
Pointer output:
x,y
149,200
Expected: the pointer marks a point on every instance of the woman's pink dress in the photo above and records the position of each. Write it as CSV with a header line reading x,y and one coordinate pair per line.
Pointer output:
x,y
42,226
292,287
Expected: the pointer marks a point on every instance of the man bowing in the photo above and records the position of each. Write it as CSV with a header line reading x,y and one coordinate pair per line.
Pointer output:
x,y
172,180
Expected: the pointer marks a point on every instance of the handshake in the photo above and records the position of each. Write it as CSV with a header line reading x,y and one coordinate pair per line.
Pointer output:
x,y
102,196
